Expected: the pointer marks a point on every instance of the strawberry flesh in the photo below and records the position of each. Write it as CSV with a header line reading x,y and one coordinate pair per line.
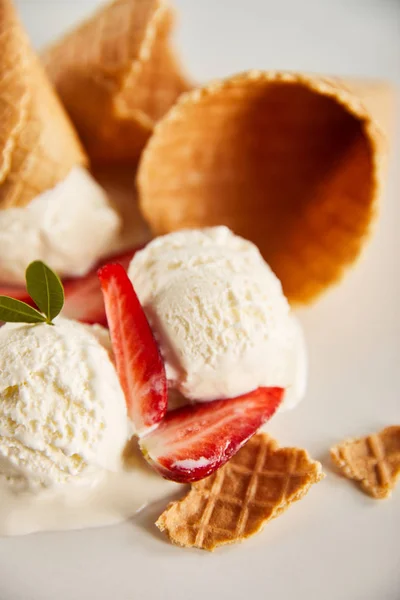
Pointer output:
x,y
84,300
19,293
195,440
139,364
83,297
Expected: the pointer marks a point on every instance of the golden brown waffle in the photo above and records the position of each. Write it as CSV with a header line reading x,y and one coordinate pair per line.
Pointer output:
x,y
38,146
289,161
373,461
116,75
256,485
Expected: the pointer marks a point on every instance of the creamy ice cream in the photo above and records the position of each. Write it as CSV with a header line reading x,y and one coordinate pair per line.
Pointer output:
x,y
65,458
63,416
69,227
220,316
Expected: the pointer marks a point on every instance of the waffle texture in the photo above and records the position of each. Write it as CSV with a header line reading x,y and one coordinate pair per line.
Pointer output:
x,y
372,461
38,145
256,485
292,162
116,75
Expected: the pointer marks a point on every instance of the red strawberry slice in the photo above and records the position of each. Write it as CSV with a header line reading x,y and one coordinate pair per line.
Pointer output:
x,y
16,292
194,441
83,297
139,364
84,301
19,293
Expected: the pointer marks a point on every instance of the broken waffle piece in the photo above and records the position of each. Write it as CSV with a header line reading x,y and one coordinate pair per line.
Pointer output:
x,y
256,485
373,461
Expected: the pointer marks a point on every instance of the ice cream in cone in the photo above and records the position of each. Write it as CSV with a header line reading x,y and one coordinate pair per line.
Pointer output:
x,y
50,207
292,162
117,75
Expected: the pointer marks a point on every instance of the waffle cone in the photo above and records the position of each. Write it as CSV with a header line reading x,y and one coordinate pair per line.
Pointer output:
x,y
116,76
38,146
289,161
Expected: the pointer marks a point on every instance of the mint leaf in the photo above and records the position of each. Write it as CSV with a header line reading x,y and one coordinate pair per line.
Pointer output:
x,y
16,311
45,289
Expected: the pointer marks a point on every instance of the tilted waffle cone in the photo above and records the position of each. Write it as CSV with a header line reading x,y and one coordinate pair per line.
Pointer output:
x,y
38,146
255,486
117,75
372,461
290,161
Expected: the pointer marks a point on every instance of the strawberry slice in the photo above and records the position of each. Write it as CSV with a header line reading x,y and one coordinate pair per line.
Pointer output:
x,y
139,364
195,440
19,293
83,298
84,301
16,292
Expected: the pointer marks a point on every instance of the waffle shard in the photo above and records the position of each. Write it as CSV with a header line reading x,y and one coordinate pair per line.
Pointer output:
x,y
256,485
373,461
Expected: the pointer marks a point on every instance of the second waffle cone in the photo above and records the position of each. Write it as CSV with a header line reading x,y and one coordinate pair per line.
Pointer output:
x,y
117,75
289,161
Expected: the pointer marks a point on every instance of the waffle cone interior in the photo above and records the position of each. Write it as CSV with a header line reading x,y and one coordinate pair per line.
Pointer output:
x,y
291,162
38,145
117,75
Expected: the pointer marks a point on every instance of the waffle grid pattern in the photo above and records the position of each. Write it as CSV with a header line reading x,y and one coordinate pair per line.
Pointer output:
x,y
38,147
259,483
372,461
120,62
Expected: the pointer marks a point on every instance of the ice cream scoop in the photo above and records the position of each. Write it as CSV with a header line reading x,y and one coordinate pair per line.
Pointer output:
x,y
69,227
62,411
220,316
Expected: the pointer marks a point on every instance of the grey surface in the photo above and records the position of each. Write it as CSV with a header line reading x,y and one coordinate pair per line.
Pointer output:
x,y
219,37
337,544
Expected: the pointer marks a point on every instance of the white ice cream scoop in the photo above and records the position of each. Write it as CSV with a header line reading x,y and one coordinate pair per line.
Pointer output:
x,y
62,411
220,316
70,227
